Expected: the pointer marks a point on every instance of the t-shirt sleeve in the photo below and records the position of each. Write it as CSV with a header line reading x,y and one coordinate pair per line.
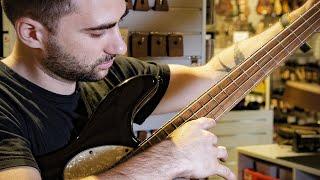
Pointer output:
x,y
127,67
14,148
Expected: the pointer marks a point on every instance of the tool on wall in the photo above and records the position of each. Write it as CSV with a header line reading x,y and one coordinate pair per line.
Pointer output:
x,y
141,5
161,5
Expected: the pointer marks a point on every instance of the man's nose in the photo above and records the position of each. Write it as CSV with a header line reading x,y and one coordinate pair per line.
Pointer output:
x,y
116,44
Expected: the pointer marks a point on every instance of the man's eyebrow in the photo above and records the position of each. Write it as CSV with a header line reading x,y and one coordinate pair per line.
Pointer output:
x,y
125,13
101,27
107,25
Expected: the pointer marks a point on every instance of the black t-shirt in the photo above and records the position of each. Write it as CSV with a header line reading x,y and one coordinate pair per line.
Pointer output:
x,y
34,121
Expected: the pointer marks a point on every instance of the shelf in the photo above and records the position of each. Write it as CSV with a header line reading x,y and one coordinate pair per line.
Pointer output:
x,y
304,95
279,155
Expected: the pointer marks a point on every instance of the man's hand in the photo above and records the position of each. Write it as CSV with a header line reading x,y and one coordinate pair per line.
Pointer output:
x,y
298,12
309,4
197,151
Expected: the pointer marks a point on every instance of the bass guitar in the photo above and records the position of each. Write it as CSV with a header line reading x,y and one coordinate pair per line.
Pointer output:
x,y
108,138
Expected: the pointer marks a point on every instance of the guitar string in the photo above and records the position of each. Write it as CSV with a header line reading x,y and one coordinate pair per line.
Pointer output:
x,y
238,88
245,71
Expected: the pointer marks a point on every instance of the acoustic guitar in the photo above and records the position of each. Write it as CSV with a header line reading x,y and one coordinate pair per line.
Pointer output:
x,y
108,138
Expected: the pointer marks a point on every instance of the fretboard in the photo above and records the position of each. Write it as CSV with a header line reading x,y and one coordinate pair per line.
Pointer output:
x,y
223,96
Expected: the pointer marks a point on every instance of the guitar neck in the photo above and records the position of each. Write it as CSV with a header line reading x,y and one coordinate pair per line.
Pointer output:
x,y
223,96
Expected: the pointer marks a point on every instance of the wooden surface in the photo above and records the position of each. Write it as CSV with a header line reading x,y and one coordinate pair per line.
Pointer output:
x,y
304,95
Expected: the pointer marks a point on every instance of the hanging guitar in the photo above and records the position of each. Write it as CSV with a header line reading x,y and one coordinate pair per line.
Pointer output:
x,y
224,8
104,143
264,7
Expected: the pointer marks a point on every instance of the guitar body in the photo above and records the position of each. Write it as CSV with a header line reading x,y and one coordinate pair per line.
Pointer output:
x,y
111,124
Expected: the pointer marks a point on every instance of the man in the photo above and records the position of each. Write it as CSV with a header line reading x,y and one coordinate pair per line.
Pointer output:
x,y
44,105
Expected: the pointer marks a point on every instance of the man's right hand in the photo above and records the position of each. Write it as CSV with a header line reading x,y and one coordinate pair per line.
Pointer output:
x,y
197,151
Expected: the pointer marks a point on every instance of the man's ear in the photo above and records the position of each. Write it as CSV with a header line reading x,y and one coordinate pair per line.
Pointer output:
x,y
32,33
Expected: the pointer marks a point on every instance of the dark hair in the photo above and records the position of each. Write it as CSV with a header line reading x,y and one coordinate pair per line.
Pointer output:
x,y
47,12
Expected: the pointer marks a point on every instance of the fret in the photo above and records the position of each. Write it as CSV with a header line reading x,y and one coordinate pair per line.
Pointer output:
x,y
270,45
272,58
214,112
235,74
259,66
225,82
196,105
204,99
247,64
154,140
254,68
186,114
179,120
211,105
211,115
288,39
214,91
282,35
222,90
161,134
284,47
170,128
264,60
155,135
304,20
274,52
164,130
220,97
270,65
237,94
175,126
233,81
202,112
296,25
268,53
205,108
219,106
195,117
231,88
280,56
241,79
294,33
258,76
248,76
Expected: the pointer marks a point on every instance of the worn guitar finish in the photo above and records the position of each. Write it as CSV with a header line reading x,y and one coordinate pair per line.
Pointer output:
x,y
112,122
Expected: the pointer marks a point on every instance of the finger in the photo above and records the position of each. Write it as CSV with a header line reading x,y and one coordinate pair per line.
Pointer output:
x,y
225,172
222,153
206,123
211,137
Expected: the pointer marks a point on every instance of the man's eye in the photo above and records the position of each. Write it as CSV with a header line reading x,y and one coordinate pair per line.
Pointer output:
x,y
95,35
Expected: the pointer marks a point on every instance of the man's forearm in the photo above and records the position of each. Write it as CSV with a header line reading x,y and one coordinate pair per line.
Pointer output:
x,y
158,162
234,55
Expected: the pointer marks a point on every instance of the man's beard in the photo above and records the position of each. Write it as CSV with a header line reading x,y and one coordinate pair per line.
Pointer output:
x,y
60,64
